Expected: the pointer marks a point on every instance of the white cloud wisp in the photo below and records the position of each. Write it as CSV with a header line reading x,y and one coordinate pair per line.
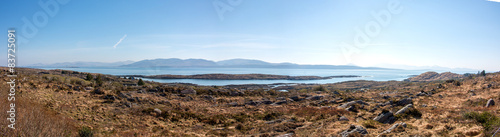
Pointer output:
x,y
120,41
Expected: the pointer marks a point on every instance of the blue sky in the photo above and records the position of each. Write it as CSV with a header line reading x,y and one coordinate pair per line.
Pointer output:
x,y
448,33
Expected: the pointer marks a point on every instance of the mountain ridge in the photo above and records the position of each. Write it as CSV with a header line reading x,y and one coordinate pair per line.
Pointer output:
x,y
249,63
176,62
82,64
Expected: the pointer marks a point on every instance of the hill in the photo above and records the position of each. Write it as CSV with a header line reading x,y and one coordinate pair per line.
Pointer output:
x,y
434,76
81,64
172,62
232,63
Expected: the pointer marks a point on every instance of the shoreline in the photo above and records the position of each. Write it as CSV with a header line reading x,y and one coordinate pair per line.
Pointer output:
x,y
239,77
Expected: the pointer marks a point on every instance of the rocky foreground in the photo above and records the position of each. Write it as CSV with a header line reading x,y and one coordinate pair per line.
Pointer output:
x,y
78,103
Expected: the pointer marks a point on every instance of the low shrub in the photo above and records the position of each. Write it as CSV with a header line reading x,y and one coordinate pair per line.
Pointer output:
x,y
241,117
85,132
489,121
141,82
272,116
369,123
242,128
320,88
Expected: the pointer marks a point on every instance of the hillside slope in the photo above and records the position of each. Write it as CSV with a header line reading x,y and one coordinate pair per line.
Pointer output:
x,y
434,76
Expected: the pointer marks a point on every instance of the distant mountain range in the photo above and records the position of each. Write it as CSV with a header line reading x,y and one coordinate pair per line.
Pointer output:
x,y
82,64
232,63
175,62
429,68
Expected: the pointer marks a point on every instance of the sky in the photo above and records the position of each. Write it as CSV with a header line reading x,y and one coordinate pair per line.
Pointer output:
x,y
448,33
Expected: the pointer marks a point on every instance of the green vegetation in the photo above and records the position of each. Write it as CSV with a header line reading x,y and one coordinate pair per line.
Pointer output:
x,y
65,72
98,80
482,73
140,83
78,81
241,117
89,77
479,102
320,88
369,123
455,82
489,121
85,132
272,116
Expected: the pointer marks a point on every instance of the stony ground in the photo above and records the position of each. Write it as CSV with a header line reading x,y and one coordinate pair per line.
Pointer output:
x,y
104,106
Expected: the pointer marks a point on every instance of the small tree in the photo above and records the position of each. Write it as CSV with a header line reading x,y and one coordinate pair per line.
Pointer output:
x,y
98,80
483,73
320,88
140,83
89,77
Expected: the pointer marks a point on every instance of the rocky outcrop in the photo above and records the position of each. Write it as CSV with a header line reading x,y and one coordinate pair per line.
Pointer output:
x,y
209,98
279,102
98,91
188,91
109,97
343,118
394,127
346,105
404,102
233,104
253,103
385,117
422,94
318,97
267,102
236,93
490,103
352,109
404,109
157,111
354,129
286,135
297,98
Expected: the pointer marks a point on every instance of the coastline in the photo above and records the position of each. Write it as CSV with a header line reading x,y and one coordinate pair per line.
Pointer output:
x,y
240,77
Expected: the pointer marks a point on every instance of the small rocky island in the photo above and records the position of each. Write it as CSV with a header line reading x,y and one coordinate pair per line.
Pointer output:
x,y
241,77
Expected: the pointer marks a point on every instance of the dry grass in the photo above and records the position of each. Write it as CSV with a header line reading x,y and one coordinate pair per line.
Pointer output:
x,y
314,111
34,120
47,103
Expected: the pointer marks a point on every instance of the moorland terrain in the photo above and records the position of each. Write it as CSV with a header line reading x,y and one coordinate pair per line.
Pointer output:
x,y
70,103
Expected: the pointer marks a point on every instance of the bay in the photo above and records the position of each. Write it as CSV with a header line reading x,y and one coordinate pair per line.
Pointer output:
x,y
366,74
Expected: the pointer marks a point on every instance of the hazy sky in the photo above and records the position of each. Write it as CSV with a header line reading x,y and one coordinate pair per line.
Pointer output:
x,y
448,33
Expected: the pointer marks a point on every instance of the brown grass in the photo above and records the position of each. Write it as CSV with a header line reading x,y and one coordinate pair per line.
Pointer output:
x,y
313,111
48,98
34,120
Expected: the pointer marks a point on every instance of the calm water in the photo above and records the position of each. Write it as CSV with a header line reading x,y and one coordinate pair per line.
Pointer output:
x,y
367,74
